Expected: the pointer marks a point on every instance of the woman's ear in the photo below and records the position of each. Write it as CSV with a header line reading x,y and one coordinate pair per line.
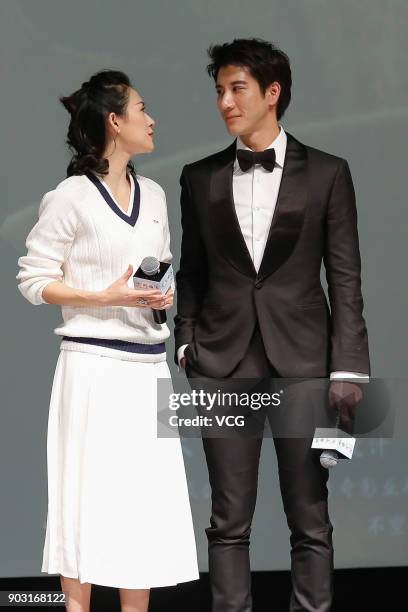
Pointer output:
x,y
112,124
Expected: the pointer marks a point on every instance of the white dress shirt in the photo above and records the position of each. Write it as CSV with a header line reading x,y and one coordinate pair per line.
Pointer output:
x,y
255,194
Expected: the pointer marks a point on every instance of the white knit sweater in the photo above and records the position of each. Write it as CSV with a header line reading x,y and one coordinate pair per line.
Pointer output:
x,y
79,239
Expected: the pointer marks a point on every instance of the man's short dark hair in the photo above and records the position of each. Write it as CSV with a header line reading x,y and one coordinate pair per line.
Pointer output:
x,y
264,61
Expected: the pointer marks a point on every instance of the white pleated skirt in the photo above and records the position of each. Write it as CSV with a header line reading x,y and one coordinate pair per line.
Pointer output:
x,y
118,507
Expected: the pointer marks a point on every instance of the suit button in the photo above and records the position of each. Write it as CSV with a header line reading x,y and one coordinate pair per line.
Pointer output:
x,y
258,285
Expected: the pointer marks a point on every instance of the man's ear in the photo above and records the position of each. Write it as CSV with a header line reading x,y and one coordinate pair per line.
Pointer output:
x,y
273,92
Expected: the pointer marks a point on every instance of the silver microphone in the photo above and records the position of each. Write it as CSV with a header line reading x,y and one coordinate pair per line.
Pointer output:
x,y
329,458
150,266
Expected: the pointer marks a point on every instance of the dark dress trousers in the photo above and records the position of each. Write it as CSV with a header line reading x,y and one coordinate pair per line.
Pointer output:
x,y
277,322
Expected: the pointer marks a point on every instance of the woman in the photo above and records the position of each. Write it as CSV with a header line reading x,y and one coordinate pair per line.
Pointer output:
x,y
118,508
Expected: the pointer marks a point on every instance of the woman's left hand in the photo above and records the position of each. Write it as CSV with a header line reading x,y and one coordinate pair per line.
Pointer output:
x,y
168,299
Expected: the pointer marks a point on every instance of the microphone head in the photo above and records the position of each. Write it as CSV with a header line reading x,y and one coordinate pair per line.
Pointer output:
x,y
150,266
329,458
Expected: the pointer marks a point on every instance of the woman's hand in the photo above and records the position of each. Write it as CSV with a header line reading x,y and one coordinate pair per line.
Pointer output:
x,y
168,299
120,294
117,294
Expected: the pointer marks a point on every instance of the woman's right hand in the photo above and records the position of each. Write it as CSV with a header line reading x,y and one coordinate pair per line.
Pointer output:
x,y
120,294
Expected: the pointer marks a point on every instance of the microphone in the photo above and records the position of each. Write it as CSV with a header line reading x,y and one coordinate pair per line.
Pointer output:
x,y
334,443
330,457
150,266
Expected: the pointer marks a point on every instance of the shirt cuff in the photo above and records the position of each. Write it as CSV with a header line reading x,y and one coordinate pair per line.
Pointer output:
x,y
362,378
180,352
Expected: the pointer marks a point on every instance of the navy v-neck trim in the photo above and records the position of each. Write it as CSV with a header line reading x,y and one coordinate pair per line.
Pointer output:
x,y
132,218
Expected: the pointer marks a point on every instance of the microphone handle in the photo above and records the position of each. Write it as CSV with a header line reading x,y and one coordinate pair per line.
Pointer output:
x,y
159,316
330,458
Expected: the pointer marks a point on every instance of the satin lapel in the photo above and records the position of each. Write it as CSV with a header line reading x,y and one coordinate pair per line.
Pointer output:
x,y
289,211
223,217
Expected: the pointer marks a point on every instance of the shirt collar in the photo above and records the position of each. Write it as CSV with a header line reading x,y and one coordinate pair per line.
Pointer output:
x,y
279,144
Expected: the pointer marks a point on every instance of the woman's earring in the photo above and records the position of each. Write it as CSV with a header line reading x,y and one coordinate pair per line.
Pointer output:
x,y
114,147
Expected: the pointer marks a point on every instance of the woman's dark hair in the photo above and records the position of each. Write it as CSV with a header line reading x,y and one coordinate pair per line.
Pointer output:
x,y
105,92
265,62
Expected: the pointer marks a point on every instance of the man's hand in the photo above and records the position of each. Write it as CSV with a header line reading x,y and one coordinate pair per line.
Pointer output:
x,y
344,397
183,362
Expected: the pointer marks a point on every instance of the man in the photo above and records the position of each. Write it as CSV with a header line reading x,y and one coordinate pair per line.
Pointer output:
x,y
258,219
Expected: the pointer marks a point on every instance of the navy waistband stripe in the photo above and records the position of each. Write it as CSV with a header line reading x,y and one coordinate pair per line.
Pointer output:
x,y
122,345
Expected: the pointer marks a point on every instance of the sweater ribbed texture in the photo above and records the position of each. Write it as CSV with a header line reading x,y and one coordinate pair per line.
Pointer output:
x,y
79,240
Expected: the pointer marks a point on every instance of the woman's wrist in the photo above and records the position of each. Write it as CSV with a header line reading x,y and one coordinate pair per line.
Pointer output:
x,y
59,293
95,298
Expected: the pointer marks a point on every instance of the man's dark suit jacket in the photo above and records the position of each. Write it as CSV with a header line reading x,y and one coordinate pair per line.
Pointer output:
x,y
220,296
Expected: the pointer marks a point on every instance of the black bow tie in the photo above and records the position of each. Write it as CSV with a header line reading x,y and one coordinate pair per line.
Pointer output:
x,y
247,159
